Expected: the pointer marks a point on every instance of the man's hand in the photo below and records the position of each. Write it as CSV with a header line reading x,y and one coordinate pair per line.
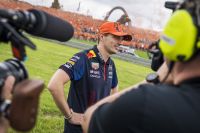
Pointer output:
x,y
77,118
7,88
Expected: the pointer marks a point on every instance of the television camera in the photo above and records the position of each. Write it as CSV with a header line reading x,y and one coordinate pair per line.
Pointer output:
x,y
21,110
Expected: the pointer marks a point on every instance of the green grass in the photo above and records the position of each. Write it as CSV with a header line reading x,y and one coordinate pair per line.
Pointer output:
x,y
41,64
84,41
142,54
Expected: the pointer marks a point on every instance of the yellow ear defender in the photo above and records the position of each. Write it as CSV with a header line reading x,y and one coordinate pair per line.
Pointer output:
x,y
178,41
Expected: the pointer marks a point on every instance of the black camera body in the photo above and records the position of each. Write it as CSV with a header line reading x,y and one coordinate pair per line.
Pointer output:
x,y
155,55
26,92
25,96
12,67
171,5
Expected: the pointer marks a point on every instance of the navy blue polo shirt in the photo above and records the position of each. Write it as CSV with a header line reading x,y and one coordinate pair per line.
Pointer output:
x,y
91,78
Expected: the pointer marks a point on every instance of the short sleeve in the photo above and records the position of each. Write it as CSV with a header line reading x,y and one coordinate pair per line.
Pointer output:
x,y
75,66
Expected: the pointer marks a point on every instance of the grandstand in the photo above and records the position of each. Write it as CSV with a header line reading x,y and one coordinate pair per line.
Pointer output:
x,y
86,27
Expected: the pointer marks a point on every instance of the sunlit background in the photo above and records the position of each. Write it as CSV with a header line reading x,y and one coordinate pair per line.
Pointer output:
x,y
150,14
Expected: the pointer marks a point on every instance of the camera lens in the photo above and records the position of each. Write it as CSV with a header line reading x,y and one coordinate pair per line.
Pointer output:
x,y
12,67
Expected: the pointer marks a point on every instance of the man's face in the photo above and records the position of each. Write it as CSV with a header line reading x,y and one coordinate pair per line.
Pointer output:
x,y
111,43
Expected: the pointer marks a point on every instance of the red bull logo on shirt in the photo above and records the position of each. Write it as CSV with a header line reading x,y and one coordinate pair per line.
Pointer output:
x,y
91,54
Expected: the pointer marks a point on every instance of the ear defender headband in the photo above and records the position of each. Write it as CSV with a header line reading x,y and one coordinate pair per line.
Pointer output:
x,y
179,39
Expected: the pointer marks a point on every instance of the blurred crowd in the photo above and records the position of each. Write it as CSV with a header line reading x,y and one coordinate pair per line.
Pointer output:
x,y
86,27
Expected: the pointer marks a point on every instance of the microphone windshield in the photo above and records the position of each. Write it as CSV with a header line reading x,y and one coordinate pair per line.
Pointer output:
x,y
51,27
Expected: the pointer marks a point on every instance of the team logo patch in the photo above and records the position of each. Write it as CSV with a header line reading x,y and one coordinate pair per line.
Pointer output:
x,y
110,68
73,59
95,74
95,65
71,62
68,65
76,57
110,75
91,54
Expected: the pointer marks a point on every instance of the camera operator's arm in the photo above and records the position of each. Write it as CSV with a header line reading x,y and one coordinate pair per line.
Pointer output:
x,y
90,111
56,87
162,71
6,94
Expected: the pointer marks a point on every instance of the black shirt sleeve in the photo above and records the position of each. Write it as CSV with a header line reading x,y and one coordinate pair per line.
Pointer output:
x,y
115,79
122,115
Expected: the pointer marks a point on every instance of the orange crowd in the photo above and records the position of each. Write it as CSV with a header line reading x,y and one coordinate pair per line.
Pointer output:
x,y
86,27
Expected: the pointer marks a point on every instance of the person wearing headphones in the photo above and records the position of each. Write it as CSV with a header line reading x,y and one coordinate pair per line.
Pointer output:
x,y
161,107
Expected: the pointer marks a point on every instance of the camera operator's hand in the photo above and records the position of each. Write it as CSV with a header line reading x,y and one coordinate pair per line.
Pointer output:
x,y
8,87
4,125
77,118
7,95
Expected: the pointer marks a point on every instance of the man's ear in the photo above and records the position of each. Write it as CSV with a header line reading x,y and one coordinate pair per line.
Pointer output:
x,y
101,37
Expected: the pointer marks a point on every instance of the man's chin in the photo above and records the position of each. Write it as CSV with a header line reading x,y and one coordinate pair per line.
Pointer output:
x,y
115,52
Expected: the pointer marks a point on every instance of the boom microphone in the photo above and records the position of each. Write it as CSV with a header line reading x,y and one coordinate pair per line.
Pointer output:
x,y
39,23
51,27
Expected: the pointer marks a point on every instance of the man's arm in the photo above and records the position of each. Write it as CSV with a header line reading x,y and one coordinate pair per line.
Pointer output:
x,y
89,112
56,87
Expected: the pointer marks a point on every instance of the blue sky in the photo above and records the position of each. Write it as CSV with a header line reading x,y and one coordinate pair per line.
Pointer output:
x,y
149,14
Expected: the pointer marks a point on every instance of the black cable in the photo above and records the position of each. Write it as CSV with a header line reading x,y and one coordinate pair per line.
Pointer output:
x,y
170,67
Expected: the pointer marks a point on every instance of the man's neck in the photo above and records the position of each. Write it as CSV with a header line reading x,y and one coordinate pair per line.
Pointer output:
x,y
105,55
185,71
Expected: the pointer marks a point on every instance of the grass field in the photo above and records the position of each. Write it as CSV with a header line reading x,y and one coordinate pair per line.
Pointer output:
x,y
142,54
83,41
41,64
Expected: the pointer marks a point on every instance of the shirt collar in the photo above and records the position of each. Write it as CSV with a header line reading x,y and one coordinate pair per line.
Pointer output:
x,y
192,81
99,55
